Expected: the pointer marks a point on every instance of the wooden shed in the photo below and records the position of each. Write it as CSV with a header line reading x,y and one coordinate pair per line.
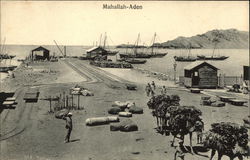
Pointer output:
x,y
246,73
40,53
96,51
200,74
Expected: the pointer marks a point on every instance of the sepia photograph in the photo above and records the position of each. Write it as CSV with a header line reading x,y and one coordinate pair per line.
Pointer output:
x,y
124,80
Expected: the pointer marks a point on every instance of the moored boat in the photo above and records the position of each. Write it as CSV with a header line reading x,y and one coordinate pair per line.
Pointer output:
x,y
185,58
135,61
155,54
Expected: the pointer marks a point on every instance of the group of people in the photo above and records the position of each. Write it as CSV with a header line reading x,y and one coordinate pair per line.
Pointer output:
x,y
150,89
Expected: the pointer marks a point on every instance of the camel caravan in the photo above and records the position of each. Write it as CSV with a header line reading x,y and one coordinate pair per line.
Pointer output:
x,y
226,138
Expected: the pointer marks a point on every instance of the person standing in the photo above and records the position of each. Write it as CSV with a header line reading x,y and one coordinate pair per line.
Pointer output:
x,y
199,128
153,85
164,90
147,90
69,126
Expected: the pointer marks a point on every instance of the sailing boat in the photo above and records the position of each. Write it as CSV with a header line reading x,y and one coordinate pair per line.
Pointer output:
x,y
213,57
155,54
5,56
3,66
136,54
109,52
133,60
187,58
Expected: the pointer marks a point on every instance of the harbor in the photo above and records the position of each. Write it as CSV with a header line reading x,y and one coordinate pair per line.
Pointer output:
x,y
75,84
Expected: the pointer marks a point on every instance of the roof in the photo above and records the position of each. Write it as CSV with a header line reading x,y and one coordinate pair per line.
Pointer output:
x,y
94,48
197,64
40,48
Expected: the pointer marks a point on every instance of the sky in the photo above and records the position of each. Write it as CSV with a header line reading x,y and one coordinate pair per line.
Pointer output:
x,y
82,22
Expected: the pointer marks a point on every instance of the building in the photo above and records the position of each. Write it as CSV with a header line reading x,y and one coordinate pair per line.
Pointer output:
x,y
200,75
96,51
246,74
40,53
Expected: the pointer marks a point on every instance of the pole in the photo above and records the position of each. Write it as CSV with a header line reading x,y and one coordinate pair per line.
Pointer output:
x,y
50,104
78,101
72,101
175,65
67,101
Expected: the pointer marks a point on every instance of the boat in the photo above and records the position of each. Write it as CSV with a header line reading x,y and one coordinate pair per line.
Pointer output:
x,y
213,56
155,54
187,58
6,56
135,54
7,68
135,61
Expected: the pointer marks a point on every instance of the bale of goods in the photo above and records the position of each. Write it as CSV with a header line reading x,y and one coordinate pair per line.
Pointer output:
x,y
206,102
121,105
227,137
164,100
130,104
126,125
115,127
125,114
113,119
62,113
97,121
114,110
131,86
75,92
247,120
135,110
87,93
218,104
183,118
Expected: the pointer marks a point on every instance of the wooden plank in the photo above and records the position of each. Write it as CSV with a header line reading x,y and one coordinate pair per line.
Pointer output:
x,y
10,99
9,102
226,99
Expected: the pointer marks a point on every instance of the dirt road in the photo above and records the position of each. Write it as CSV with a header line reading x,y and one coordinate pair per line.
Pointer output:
x,y
38,135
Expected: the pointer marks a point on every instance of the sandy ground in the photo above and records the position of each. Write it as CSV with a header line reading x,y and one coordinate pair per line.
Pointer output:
x,y
29,132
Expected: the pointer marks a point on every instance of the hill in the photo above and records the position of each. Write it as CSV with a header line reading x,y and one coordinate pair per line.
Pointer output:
x,y
226,39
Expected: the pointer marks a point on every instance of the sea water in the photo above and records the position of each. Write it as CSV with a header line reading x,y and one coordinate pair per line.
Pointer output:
x,y
233,66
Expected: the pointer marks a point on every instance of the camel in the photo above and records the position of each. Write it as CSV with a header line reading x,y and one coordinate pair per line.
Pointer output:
x,y
231,154
186,128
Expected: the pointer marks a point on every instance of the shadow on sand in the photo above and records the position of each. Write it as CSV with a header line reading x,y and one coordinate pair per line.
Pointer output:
x,y
74,140
197,150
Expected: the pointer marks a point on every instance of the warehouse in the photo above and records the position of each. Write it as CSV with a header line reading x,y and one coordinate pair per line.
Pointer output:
x,y
200,75
96,51
40,53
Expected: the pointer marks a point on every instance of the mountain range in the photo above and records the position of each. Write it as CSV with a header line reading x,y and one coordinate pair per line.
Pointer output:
x,y
224,39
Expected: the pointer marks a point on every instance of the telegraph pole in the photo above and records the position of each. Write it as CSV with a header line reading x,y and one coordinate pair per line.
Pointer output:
x,y
175,65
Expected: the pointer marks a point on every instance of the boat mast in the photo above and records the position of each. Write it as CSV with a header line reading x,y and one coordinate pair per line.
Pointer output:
x,y
104,41
153,43
136,44
127,48
215,44
100,42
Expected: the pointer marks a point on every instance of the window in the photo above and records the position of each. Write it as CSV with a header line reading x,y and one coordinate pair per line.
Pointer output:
x,y
196,74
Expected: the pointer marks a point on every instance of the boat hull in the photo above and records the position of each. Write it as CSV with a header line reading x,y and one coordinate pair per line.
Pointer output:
x,y
212,58
158,55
